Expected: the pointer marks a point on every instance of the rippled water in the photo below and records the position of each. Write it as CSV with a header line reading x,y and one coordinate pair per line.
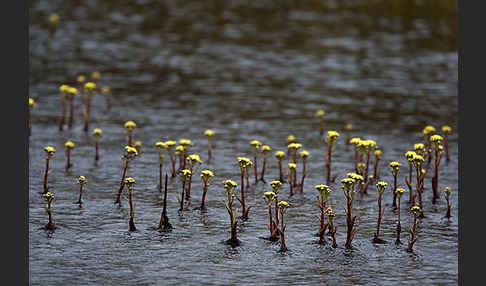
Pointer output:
x,y
247,71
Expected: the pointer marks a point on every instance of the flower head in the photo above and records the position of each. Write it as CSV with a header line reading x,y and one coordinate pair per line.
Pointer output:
x,y
320,113
64,88
82,180
160,146
348,183
378,154
418,160
229,184
269,197
105,90
331,136
304,154
72,91
90,86
180,149
355,140
170,144
31,102
131,151
419,147
446,129
209,133
323,190
292,166
294,146
399,192
130,125
428,130
49,151
266,148
81,79
243,162
290,139
138,144
206,175
447,192
129,182
282,205
185,142
194,158
97,132
53,18
96,75
436,139
69,145
279,155
255,144
348,127
186,173
330,212
49,197
415,210
275,185
381,186
410,155
357,178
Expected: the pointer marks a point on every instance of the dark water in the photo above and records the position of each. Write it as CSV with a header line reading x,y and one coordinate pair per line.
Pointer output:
x,y
247,70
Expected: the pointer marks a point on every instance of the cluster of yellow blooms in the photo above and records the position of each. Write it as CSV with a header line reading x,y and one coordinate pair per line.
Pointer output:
x,y
275,185
69,145
130,125
97,132
229,184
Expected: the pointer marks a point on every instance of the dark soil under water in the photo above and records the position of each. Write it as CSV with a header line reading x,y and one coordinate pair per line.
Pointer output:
x,y
247,72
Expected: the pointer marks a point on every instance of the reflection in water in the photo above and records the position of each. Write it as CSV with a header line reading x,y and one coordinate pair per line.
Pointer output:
x,y
247,70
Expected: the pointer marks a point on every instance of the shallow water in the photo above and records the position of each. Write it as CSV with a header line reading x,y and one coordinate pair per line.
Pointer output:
x,y
247,72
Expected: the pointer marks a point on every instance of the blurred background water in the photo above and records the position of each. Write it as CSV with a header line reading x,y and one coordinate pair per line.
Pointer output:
x,y
248,70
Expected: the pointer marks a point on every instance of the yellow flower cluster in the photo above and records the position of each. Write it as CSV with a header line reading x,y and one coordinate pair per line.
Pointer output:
x,y
82,180
138,144
294,146
97,132
72,91
180,149
348,127
69,145
348,183
105,90
160,146
185,142
96,75
53,18
381,186
269,197
266,148
131,151
244,162
282,205
410,155
129,181
279,155
170,144
331,136
292,166
320,113
399,191
323,190
31,102
446,129
130,125
64,88
355,177
49,197
366,145
90,86
209,133
186,173
50,151
330,212
275,185
229,184
255,144
194,158
395,166
206,174
304,154
378,154
81,79
290,139
415,210
355,140
428,130
436,138
419,147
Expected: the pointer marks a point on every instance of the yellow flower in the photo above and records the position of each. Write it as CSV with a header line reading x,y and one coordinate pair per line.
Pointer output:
x,y
282,205
320,113
275,185
290,139
130,125
81,79
355,177
355,140
418,147
304,154
72,91
255,144
330,212
206,174
69,145
332,135
229,184
348,183
395,164
323,190
244,162
292,166
186,173
129,181
381,186
209,133
415,210
185,142
53,18
194,158
294,146
160,145
399,191
48,197
418,158
436,138
180,149
378,154
269,197
410,155
31,102
50,151
348,127
447,191
82,180
96,75
170,143
64,88
105,90
97,132
138,144
279,155
131,150
428,129
446,129
266,148
90,86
